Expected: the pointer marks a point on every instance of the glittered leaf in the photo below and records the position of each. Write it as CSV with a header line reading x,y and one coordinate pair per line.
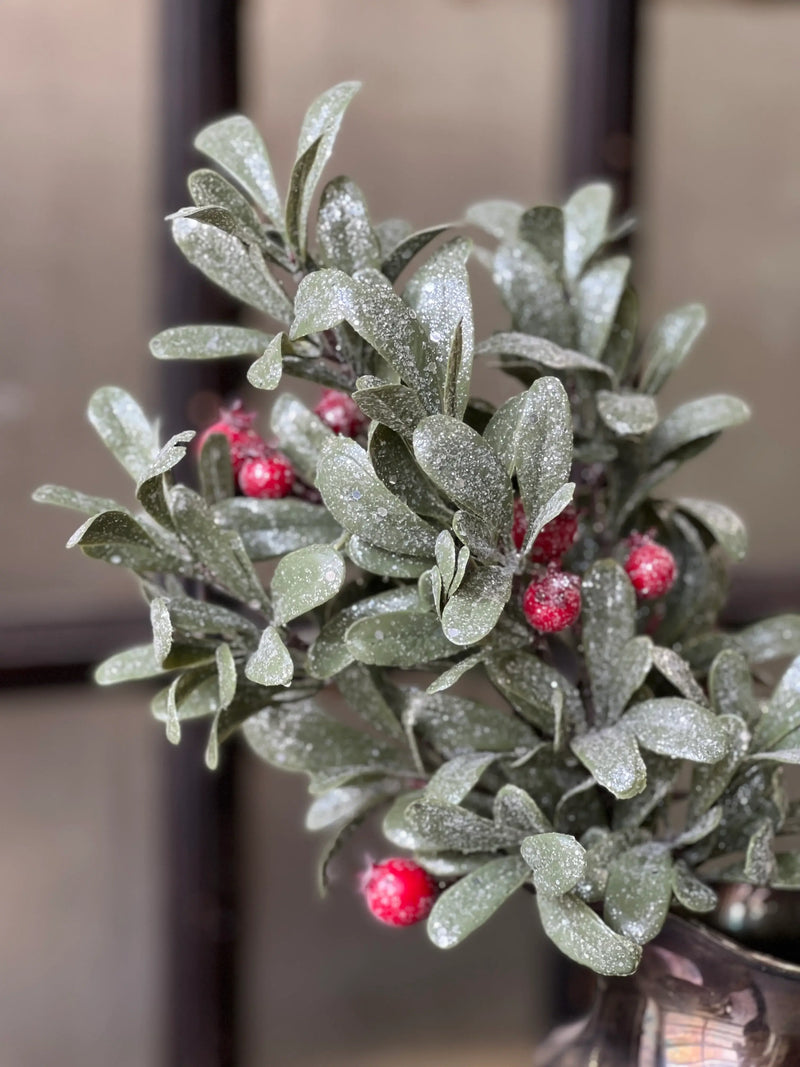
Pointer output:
x,y
438,825
151,489
770,639
609,607
694,421
473,610
124,429
533,293
235,144
709,781
62,497
396,467
456,778
449,677
531,687
598,295
129,666
305,579
638,892
498,218
454,725
678,728
613,758
271,528
724,525
519,350
388,564
215,469
395,405
271,663
759,863
557,862
209,189
627,414
467,905
543,227
583,936
543,453
690,891
208,342
402,251
586,217
266,372
513,807
298,198
345,236
342,805
359,686
678,673
669,343
301,435
632,667
398,639
779,727
226,674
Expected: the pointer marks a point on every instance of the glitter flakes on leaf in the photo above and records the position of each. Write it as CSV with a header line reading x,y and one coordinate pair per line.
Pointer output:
x,y
468,904
583,936
305,579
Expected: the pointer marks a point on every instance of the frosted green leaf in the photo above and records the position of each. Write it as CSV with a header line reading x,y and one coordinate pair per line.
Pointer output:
x,y
532,291
403,250
498,218
638,892
678,728
161,623
215,469
124,429
357,499
360,688
271,528
301,435
396,467
543,227
460,463
661,774
609,622
191,617
452,674
633,666
724,525
770,639
549,510
627,414
513,807
779,727
226,674
305,579
238,269
543,455
598,295
394,826
557,861
454,725
451,864
113,529
445,550
346,238
621,340
586,218
759,862
129,666
709,781
437,825
522,350
398,639
391,232
678,673
439,293
173,721
690,891
705,825
467,905
388,564
473,610
194,696
271,663
329,654
298,198
209,189
583,936
669,343
694,421
479,541
235,144
219,217
151,489
266,372
395,405
342,805
208,342
456,778
613,758
531,687
62,497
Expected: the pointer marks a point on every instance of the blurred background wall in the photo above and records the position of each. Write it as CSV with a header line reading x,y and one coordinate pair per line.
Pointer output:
x,y
462,100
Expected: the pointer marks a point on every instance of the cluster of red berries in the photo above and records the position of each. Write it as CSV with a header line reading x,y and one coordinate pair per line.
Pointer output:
x,y
260,469
552,601
650,566
399,892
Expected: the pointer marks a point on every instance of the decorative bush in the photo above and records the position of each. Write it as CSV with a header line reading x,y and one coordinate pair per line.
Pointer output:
x,y
621,752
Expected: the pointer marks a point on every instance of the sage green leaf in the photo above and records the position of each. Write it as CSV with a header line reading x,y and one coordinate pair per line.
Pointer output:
x,y
531,686
271,663
368,303
222,551
301,435
770,639
437,825
209,189
682,729
513,807
402,251
730,686
709,781
543,227
633,666
270,528
445,550
448,865
468,904
557,861
473,610
476,538
388,564
395,405
208,342
452,674
391,232
124,429
583,936
151,490
298,200
398,639
226,675
342,805
613,758
601,848
597,300
461,568
498,218
549,510
520,349
439,293
638,892
724,525
394,827
161,624
357,499
705,825
129,666
346,238
455,726
533,293
321,124
191,617
759,863
62,497
234,143
619,347
237,268
329,654
266,372
669,343
359,687
695,421
678,673
460,463
627,414
113,529
779,727
300,737
586,218
661,775
216,469
195,694
456,778
543,455
305,579
609,622
690,891
396,467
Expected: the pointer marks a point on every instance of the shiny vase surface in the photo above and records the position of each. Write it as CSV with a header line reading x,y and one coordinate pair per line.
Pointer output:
x,y
697,998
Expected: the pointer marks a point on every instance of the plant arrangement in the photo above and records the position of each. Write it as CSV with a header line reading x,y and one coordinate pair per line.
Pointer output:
x,y
522,625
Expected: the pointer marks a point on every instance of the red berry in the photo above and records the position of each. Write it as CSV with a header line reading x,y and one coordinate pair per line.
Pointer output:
x,y
341,413
399,892
237,425
557,537
553,602
267,477
651,567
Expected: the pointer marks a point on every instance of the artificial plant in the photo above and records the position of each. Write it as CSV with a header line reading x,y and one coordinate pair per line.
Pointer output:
x,y
621,751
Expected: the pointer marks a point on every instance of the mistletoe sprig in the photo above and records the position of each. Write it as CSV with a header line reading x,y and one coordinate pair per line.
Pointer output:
x,y
426,545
